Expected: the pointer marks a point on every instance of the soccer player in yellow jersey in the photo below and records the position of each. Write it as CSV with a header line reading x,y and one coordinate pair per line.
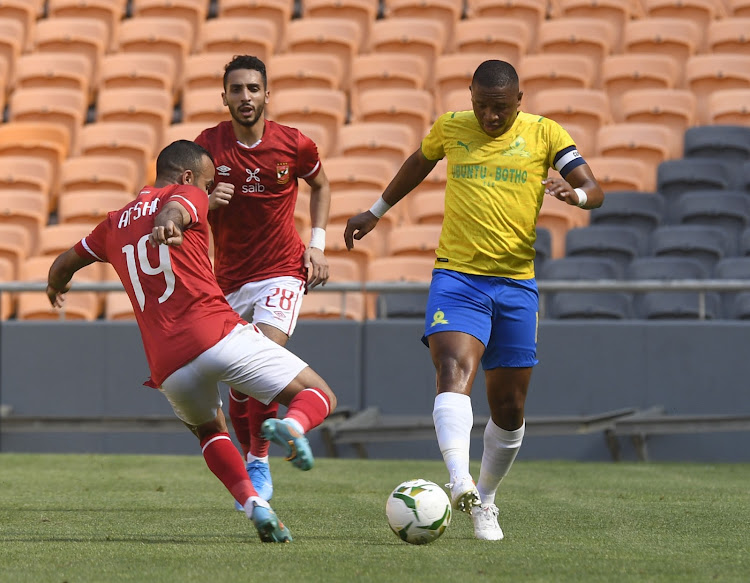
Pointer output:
x,y
483,301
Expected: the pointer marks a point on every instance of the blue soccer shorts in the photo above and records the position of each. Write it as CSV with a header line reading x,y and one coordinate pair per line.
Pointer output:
x,y
501,313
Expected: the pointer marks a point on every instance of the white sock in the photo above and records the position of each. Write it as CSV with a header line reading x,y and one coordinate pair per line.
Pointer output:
x,y
249,505
296,424
252,458
454,419
500,449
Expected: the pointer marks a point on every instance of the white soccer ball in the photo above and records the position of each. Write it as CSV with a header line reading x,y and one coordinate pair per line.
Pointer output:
x,y
418,511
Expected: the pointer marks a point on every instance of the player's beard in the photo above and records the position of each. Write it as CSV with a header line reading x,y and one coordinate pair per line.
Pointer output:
x,y
248,122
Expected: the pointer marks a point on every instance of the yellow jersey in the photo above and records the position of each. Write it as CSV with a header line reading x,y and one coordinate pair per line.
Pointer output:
x,y
494,191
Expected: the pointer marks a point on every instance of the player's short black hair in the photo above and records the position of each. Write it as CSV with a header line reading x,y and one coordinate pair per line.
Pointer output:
x,y
494,73
179,156
246,62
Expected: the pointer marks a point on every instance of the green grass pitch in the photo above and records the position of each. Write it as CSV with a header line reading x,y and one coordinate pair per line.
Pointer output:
x,y
113,518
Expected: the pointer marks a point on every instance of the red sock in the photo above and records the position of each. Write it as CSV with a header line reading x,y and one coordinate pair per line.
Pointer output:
x,y
309,407
223,459
238,407
257,414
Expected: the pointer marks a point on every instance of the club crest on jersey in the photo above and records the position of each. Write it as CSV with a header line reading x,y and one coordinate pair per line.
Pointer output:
x,y
282,172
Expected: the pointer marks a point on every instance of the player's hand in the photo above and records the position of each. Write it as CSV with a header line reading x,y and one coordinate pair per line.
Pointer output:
x,y
358,226
168,234
220,195
57,296
561,190
317,267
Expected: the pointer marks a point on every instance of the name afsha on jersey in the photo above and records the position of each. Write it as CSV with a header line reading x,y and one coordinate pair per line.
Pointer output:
x,y
138,210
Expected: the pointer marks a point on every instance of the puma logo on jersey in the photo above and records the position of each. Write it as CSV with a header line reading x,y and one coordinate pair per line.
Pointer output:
x,y
463,144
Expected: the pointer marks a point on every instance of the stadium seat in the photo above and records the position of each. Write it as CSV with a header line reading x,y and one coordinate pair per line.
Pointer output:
x,y
90,206
27,209
548,71
84,36
15,245
410,107
158,34
621,73
675,177
588,37
139,70
672,108
385,71
205,106
671,305
729,107
401,269
11,33
27,173
454,72
413,240
7,299
117,306
300,71
362,12
616,12
194,12
427,207
559,218
412,36
736,305
337,305
52,71
619,173
329,36
317,133
532,12
728,36
542,247
488,36
723,142
278,12
650,144
456,100
392,142
205,71
238,36
25,14
109,12
706,245
706,74
182,131
700,12
445,12
348,203
619,243
152,107
588,108
121,139
370,247
726,209
584,305
357,173
326,107
95,173
643,211
738,8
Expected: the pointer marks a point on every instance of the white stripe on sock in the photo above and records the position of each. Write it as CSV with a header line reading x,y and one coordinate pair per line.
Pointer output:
x,y
210,441
321,397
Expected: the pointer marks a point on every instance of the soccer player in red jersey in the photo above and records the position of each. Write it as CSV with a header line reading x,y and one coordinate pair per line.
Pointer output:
x,y
261,263
193,339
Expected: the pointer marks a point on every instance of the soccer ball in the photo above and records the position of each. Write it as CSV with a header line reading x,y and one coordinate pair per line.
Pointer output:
x,y
418,511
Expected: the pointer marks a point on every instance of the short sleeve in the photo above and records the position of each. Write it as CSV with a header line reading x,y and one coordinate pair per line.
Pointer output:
x,y
308,161
559,140
93,245
432,144
193,199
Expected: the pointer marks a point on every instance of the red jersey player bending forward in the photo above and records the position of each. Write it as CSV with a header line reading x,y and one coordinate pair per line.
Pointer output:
x,y
261,263
193,339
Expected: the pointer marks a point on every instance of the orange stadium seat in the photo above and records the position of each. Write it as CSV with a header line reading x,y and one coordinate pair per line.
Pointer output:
x,y
4,81
329,36
160,35
138,70
410,36
392,142
326,107
700,12
109,12
729,107
7,299
117,306
11,32
194,12
363,12
357,173
25,13
428,208
15,244
489,36
454,73
729,36
90,206
301,70
183,131
27,173
532,12
411,107
456,100
385,71
278,12
558,218
616,12
97,173
705,74
333,305
318,134
27,209
588,37
615,173
121,139
621,73
205,71
649,143
401,269
435,181
588,108
370,247
83,36
673,108
347,203
238,36
550,71
738,8
55,71
54,239
152,107
414,240
203,105
446,12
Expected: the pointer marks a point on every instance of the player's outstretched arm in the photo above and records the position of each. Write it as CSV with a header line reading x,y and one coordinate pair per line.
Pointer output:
x,y
61,272
412,172
169,225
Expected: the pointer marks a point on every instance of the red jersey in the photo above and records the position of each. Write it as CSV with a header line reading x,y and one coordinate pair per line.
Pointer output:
x,y
254,235
180,309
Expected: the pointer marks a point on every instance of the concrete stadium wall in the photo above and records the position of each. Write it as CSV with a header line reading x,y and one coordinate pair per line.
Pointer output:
x,y
95,369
